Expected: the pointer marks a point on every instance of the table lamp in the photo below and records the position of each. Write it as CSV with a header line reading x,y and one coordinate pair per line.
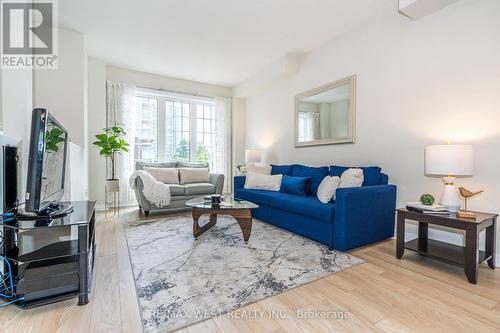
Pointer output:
x,y
252,156
449,161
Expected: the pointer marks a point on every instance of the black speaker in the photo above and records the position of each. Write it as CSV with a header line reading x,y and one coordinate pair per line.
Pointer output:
x,y
9,190
8,201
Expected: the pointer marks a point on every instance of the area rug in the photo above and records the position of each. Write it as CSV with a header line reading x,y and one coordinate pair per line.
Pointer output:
x,y
181,280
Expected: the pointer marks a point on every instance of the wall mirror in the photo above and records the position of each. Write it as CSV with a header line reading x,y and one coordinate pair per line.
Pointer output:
x,y
326,115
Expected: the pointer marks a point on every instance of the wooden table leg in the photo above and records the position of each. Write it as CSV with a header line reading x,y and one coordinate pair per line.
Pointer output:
x,y
197,229
244,219
471,253
490,243
400,236
423,235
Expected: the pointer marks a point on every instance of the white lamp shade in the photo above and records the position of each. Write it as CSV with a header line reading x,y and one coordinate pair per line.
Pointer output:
x,y
252,156
449,160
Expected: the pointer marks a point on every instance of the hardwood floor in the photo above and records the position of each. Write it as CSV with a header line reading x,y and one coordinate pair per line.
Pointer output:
x,y
382,295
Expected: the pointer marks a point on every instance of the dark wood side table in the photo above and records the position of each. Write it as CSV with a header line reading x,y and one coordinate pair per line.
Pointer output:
x,y
468,256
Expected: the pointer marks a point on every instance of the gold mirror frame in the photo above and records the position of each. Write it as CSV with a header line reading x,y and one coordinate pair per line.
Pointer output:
x,y
351,81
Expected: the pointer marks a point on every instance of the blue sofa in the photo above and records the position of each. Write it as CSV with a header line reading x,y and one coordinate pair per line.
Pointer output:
x,y
359,216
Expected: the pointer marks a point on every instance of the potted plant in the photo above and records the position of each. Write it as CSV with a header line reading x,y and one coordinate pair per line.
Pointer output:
x,y
112,142
242,168
53,138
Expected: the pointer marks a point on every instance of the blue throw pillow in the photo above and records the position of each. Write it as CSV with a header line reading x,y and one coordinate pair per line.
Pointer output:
x,y
295,185
317,175
371,174
281,169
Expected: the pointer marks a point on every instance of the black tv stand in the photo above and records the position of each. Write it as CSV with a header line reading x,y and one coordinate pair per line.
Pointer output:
x,y
50,260
52,211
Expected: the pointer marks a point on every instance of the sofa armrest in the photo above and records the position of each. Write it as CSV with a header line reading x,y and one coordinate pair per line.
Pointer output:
x,y
363,215
239,182
141,199
217,179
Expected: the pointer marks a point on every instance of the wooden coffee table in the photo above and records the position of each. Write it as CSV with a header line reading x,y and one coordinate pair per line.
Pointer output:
x,y
240,210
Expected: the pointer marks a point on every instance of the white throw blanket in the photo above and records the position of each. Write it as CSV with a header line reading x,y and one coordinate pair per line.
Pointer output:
x,y
156,192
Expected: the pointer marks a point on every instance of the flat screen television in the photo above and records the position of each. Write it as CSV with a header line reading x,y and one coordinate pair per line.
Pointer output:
x,y
46,164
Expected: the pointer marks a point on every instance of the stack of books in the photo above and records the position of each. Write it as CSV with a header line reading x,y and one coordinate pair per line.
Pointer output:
x,y
435,209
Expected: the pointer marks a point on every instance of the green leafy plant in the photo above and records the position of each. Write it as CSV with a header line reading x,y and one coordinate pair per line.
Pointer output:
x,y
53,138
241,168
202,154
427,199
112,142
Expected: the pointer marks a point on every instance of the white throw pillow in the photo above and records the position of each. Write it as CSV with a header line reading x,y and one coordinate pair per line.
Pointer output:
x,y
259,168
352,177
193,175
164,175
258,181
327,188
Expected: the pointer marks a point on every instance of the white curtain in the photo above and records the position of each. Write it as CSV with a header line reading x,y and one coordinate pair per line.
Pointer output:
x,y
222,162
120,108
309,126
316,129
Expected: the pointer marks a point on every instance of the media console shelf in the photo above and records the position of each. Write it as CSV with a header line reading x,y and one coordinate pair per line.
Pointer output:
x,y
51,259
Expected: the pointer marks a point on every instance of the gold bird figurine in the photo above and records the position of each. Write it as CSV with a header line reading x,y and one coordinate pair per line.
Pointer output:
x,y
467,194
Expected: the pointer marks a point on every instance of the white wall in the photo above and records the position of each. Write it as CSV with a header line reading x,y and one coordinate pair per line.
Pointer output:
x,y
1,110
17,104
418,83
63,92
75,182
339,119
97,121
164,82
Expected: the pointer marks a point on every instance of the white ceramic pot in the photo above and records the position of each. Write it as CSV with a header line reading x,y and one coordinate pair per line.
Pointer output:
x,y
112,185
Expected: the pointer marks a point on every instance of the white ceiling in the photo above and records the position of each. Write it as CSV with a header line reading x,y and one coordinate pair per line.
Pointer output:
x,y
329,96
213,41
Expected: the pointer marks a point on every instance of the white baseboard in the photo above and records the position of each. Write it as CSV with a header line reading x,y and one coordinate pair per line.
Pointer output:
x,y
100,207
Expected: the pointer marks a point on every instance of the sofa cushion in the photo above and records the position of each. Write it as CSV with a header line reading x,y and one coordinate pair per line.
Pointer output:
x,y
297,204
176,189
295,185
199,188
193,175
140,165
316,173
371,174
327,188
164,175
285,170
181,164
263,182
352,177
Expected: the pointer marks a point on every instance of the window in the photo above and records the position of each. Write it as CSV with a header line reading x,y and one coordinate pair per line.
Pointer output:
x,y
306,127
146,129
180,117
174,128
204,134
